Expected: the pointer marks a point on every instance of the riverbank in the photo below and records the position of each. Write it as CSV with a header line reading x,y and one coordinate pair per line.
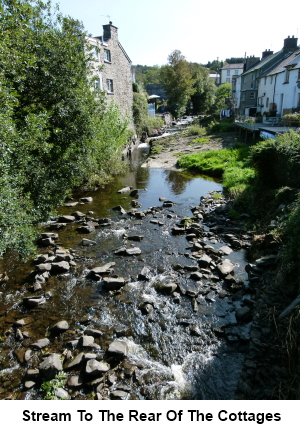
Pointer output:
x,y
166,151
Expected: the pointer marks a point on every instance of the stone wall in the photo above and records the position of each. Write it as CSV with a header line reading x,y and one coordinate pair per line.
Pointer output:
x,y
118,70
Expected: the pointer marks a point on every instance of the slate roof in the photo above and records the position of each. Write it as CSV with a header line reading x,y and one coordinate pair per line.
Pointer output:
x,y
233,66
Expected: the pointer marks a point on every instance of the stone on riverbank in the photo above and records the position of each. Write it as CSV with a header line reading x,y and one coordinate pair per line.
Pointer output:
x,y
51,366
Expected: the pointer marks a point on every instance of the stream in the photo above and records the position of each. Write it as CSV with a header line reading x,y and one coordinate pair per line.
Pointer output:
x,y
174,348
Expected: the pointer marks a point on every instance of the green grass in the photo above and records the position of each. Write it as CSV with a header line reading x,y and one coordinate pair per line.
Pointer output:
x,y
229,164
196,130
200,140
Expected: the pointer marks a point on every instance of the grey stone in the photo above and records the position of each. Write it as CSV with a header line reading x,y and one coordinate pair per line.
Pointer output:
x,y
29,384
75,363
136,238
60,267
95,368
86,341
113,283
60,327
119,395
71,204
43,267
225,268
40,344
86,229
66,218
268,260
60,393
124,190
74,381
204,261
51,366
119,348
86,199
225,250
87,242
78,215
133,251
102,270
93,332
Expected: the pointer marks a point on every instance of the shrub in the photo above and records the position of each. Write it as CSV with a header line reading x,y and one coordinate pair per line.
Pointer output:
x,y
278,161
196,130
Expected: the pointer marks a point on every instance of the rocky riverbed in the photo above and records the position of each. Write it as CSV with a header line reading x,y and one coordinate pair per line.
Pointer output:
x,y
148,303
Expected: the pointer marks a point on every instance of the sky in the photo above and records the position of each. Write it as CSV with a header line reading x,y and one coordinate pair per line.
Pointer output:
x,y
202,30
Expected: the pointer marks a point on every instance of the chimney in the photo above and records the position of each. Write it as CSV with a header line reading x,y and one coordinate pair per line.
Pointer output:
x,y
266,53
290,44
110,31
250,62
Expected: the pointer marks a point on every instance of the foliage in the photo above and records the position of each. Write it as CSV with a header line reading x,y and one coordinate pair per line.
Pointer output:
x,y
178,83
49,387
196,130
142,122
204,95
230,164
147,74
56,131
220,126
278,161
291,118
223,92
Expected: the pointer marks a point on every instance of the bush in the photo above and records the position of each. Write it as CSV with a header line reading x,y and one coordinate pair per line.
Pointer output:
x,y
196,130
220,127
278,161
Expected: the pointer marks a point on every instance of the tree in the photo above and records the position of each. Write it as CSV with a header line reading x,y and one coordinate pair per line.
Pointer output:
x,y
223,92
178,82
56,132
204,95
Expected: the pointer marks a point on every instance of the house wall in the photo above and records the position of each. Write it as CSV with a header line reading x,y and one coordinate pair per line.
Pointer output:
x,y
118,70
224,75
289,90
266,93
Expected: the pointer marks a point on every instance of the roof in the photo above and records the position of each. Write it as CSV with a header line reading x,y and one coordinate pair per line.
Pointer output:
x,y
290,60
263,62
233,66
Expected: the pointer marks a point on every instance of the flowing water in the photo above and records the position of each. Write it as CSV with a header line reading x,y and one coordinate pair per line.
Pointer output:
x,y
175,348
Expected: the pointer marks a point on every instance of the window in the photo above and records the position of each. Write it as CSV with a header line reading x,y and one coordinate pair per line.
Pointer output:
x,y
244,79
109,85
236,72
252,77
287,76
98,84
265,80
267,102
107,56
95,53
252,96
228,72
228,80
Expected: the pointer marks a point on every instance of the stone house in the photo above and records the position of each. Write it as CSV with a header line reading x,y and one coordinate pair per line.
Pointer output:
x,y
112,68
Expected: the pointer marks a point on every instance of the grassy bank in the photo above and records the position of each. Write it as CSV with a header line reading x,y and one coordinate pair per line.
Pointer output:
x,y
232,165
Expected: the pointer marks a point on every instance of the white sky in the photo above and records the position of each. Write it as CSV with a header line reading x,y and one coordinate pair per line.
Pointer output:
x,y
150,30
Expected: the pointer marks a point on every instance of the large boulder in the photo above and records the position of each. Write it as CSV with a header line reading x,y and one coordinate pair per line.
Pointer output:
x,y
118,348
51,366
225,268
113,283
